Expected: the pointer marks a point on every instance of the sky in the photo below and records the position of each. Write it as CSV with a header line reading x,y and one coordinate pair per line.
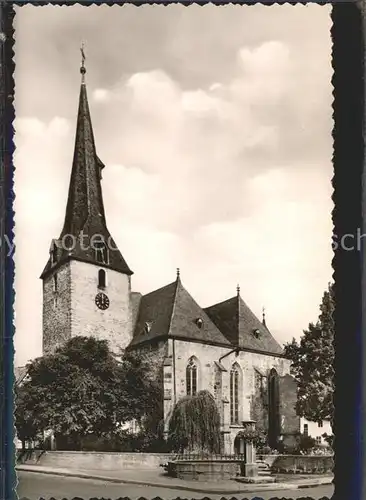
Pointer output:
x,y
214,124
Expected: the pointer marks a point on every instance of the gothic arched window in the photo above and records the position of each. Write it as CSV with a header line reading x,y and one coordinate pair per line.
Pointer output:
x,y
191,376
102,278
234,394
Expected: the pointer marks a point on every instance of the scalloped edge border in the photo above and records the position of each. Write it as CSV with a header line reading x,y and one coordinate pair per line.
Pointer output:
x,y
7,472
348,56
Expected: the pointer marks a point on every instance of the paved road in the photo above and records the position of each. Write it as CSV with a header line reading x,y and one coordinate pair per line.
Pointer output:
x,y
33,486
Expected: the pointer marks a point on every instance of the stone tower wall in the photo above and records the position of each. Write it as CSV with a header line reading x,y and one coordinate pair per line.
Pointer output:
x,y
71,311
56,310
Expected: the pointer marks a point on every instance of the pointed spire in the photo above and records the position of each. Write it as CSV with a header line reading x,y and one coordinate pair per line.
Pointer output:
x,y
178,273
85,228
85,201
238,290
264,317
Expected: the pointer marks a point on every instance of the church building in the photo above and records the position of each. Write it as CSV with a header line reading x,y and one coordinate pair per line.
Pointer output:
x,y
223,348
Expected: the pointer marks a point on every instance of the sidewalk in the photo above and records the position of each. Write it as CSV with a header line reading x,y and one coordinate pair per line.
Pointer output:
x,y
157,478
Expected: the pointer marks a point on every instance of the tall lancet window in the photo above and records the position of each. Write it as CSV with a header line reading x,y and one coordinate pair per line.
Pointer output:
x,y
101,252
192,376
235,394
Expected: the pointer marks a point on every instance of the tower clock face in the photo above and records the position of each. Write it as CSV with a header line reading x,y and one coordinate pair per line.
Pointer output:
x,y
102,301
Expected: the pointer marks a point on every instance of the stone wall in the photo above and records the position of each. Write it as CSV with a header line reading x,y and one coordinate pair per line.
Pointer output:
x,y
255,368
205,470
303,464
71,311
115,323
290,422
56,309
97,461
29,457
259,402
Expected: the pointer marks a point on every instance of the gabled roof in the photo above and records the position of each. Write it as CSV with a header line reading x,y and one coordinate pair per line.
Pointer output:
x,y
238,323
225,317
171,311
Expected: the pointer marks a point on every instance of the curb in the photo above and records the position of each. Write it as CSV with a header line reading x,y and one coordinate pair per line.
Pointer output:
x,y
247,488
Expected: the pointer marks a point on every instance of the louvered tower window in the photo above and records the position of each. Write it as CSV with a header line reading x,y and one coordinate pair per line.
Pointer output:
x,y
101,252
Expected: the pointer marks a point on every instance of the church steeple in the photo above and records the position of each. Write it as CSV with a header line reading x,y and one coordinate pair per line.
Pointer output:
x,y
85,235
85,199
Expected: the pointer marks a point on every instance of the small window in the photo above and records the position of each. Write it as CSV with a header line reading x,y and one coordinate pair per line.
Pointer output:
x,y
318,440
147,326
199,322
306,430
320,424
54,283
102,278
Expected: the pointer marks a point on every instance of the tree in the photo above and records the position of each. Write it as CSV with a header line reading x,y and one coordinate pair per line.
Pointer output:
x,y
141,398
27,427
312,364
195,424
81,389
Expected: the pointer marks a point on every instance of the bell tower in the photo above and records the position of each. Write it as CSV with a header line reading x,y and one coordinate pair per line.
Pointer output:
x,y
86,281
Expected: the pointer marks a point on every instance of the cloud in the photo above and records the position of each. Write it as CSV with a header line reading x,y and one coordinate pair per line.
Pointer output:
x,y
200,143
101,95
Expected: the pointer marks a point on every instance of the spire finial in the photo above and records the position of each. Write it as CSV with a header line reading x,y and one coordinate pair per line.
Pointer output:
x,y
238,289
178,272
82,67
263,316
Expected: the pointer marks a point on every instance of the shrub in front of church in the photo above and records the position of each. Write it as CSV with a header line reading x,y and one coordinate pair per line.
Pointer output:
x,y
81,391
305,444
329,439
194,426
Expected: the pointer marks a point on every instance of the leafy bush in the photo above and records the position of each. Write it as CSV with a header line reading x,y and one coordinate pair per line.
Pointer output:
x,y
304,445
329,439
260,440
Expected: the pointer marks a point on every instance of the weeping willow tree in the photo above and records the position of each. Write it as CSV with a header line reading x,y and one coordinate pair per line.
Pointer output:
x,y
195,425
